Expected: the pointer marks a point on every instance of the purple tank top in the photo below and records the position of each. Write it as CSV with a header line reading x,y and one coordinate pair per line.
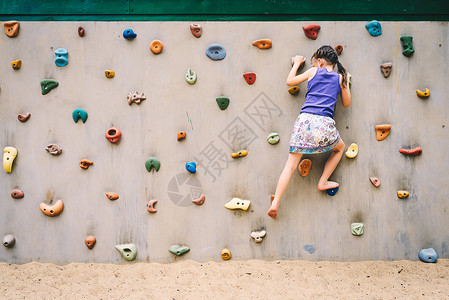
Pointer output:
x,y
322,93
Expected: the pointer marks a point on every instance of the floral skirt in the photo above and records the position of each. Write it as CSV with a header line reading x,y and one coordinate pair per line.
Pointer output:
x,y
313,134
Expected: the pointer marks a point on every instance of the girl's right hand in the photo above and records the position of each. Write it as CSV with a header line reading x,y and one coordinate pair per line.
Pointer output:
x,y
298,59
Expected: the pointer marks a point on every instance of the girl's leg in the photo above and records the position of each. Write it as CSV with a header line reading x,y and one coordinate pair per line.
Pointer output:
x,y
330,166
284,179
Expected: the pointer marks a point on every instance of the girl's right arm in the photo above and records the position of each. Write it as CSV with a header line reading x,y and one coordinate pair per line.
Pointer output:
x,y
294,79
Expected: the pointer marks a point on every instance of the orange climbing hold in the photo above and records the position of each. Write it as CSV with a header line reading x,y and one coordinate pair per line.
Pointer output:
x,y
338,49
156,46
52,210
415,151
241,153
90,241
375,181
85,163
181,135
263,44
112,196
311,30
382,131
304,167
11,28
250,78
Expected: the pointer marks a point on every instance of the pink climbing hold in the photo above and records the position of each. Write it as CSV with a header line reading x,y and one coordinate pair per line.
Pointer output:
x,y
375,181
150,206
415,151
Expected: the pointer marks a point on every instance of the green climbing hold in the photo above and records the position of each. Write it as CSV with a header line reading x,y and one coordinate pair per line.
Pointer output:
x,y
179,250
190,76
357,228
223,102
151,163
273,138
407,45
128,251
79,113
47,85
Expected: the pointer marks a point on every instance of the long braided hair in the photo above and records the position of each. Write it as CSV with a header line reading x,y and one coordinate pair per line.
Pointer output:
x,y
328,53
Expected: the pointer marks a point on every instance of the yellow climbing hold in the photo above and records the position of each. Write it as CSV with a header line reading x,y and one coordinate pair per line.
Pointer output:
x,y
109,73
294,90
241,153
225,254
424,94
16,64
237,203
352,151
403,194
9,154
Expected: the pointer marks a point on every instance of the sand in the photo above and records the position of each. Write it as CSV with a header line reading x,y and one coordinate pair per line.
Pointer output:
x,y
255,279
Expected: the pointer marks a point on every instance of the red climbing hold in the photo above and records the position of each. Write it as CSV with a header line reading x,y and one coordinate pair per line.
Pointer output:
x,y
338,49
311,30
113,135
250,78
415,151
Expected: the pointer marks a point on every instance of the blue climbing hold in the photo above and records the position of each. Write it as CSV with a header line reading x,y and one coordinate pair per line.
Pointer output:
x,y
191,167
374,28
309,248
129,34
216,52
332,192
61,59
79,113
428,255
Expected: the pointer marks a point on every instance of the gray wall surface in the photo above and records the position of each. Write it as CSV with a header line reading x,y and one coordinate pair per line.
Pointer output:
x,y
394,228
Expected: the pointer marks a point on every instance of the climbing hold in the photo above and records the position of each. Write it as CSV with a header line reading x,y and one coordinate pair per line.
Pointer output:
x,y
339,49
156,46
85,163
9,154
200,200
190,76
225,254
407,45
241,153
9,240
16,64
301,65
109,73
52,210
424,94
428,255
236,203
150,206
375,181
54,149
332,192
386,69
382,131
250,78
47,85
81,31
403,194
179,250
196,30
24,117
151,163
191,167
352,151
11,28
273,138
135,97
357,228
181,135
17,194
374,28
294,90
415,151
112,196
272,198
304,167
258,235
61,59
263,44
79,113
128,251
113,135
216,52
129,34
222,102
90,241
311,31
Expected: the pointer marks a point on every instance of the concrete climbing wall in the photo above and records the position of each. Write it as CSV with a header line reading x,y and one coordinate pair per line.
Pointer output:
x,y
311,225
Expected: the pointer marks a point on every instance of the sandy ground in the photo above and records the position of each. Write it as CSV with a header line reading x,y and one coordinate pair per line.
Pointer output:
x,y
253,279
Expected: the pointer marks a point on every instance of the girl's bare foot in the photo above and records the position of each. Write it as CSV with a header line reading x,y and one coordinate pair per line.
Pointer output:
x,y
327,185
